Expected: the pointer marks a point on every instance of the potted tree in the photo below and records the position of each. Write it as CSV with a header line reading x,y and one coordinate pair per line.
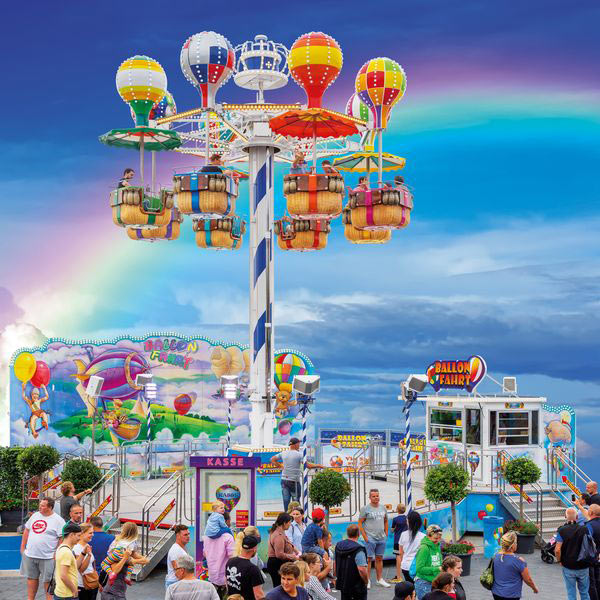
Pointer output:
x,y
10,490
82,473
35,460
521,471
447,483
463,550
329,488
526,533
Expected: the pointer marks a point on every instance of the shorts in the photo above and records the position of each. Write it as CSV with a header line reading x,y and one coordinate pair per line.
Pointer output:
x,y
37,568
375,548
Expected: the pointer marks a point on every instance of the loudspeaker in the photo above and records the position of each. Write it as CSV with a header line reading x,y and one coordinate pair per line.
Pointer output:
x,y
306,384
509,385
143,379
416,383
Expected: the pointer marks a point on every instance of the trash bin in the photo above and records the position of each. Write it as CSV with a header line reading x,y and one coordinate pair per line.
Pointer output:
x,y
492,532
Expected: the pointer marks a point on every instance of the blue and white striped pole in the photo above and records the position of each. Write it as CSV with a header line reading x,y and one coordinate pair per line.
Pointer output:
x,y
303,402
261,289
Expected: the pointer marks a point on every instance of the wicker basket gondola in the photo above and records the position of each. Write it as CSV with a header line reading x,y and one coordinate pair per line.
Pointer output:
x,y
363,236
166,232
132,206
301,234
208,193
383,208
315,196
220,234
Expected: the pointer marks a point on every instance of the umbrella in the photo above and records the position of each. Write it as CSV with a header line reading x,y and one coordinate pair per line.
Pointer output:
x,y
361,162
315,123
142,138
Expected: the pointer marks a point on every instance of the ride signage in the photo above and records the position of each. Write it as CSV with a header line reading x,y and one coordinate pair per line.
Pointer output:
x,y
457,374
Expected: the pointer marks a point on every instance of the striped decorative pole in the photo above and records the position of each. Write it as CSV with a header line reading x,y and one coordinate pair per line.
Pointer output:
x,y
408,470
228,425
304,401
261,289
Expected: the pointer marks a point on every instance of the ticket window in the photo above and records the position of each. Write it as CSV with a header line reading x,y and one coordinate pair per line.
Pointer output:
x,y
473,426
445,425
514,428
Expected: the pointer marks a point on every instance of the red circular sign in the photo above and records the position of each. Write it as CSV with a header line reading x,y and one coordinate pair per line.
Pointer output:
x,y
39,526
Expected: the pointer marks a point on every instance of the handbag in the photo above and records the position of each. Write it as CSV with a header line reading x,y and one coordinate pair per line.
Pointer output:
x,y
91,581
487,576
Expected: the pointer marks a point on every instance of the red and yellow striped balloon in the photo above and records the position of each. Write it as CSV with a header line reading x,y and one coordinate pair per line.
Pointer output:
x,y
315,60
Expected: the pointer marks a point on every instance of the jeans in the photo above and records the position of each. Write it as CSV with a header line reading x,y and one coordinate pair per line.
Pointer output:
x,y
422,587
579,578
290,490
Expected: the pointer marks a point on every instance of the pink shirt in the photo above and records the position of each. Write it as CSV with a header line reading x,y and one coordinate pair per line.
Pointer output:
x,y
217,552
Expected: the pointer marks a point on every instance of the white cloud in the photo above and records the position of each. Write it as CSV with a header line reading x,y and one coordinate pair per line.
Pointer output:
x,y
20,436
584,449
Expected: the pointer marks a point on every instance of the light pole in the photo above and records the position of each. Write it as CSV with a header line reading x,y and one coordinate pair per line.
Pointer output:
x,y
93,389
305,386
145,381
410,388
229,386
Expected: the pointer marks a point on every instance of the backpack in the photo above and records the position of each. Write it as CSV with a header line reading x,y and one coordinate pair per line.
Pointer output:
x,y
587,550
413,567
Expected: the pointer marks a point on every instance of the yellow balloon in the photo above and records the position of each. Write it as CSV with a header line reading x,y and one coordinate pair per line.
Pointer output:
x,y
489,507
24,367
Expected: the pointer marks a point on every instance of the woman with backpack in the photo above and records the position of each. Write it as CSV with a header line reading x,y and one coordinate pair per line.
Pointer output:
x,y
409,543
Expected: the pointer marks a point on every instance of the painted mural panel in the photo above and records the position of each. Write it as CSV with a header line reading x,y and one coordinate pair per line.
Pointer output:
x,y
50,403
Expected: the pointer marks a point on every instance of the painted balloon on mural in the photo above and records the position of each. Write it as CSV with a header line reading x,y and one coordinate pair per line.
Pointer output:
x,y
184,402
229,495
24,367
41,375
489,508
287,366
284,426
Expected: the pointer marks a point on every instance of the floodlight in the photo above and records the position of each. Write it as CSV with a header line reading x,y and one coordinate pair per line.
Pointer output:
x,y
94,386
306,384
143,379
229,385
416,383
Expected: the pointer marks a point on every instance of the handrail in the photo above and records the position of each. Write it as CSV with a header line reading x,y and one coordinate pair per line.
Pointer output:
x,y
112,474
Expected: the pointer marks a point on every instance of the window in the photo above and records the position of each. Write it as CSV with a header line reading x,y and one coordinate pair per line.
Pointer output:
x,y
473,417
445,425
513,428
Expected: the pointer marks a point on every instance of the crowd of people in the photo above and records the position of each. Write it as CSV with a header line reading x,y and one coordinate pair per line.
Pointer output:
x,y
76,559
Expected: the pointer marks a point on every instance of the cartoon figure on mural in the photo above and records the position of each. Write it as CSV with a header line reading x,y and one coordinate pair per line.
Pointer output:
x,y
29,370
558,430
35,405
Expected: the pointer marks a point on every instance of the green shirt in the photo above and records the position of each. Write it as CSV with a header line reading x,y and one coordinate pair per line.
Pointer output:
x,y
429,560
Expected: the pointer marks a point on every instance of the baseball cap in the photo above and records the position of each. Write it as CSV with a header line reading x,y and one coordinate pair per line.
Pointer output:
x,y
403,590
318,514
249,542
71,527
293,441
434,529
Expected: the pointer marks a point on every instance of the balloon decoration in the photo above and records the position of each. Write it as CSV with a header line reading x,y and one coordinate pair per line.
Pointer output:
x,y
229,495
356,108
41,375
477,370
165,108
380,83
489,508
284,426
315,60
24,367
184,402
287,366
141,83
207,60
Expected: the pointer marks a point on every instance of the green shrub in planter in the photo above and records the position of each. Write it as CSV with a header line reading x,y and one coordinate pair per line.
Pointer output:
x,y
84,474
524,527
329,488
35,460
458,549
11,488
521,471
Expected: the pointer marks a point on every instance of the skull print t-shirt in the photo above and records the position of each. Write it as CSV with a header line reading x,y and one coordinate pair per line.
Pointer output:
x,y
242,577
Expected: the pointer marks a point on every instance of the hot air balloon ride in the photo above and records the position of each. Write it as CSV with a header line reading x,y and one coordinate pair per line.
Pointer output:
x,y
220,234
302,235
363,236
142,83
164,232
205,194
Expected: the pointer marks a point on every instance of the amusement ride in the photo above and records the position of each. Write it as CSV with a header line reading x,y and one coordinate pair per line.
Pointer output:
x,y
262,133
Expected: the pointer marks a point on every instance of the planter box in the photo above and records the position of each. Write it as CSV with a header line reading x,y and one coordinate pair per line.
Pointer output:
x,y
525,543
11,519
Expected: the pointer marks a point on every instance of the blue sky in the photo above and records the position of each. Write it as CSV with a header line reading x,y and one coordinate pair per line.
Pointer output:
x,y
499,126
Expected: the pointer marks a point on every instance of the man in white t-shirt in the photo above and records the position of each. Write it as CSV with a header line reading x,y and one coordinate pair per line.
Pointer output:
x,y
42,534
177,550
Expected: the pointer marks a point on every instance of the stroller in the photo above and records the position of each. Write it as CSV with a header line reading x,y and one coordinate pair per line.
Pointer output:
x,y
548,555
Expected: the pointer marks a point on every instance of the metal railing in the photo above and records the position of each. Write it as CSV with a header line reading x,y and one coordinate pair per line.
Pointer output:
x,y
108,486
558,462
174,484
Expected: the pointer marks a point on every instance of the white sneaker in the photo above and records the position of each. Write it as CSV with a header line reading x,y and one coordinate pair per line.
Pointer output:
x,y
383,583
369,585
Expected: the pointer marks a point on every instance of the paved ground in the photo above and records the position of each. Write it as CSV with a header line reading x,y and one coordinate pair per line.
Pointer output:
x,y
547,577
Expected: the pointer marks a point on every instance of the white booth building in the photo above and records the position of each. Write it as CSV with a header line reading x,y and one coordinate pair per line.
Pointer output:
x,y
480,426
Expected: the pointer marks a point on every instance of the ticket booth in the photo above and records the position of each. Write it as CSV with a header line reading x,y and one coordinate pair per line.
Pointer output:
x,y
480,426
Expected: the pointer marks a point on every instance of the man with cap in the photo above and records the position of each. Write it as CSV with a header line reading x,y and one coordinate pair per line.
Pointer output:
x,y
290,461
65,571
244,577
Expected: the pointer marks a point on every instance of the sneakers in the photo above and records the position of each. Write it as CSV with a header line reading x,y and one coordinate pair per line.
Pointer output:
x,y
369,585
383,583
396,580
